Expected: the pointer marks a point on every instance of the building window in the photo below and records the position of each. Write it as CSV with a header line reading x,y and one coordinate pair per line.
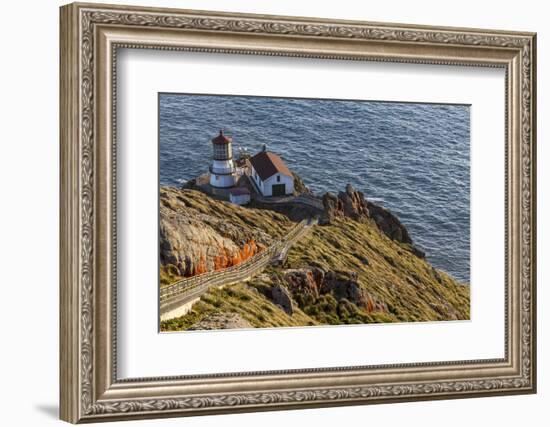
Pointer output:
x,y
278,178
217,177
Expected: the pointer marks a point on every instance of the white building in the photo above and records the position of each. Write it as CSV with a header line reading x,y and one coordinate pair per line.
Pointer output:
x,y
270,174
222,170
239,195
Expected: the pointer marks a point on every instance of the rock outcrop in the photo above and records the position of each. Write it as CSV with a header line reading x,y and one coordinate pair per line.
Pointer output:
x,y
220,321
305,281
299,185
334,208
190,246
345,285
313,282
352,204
282,297
196,235
388,223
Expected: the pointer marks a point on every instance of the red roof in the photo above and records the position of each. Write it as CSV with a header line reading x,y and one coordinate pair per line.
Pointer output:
x,y
267,164
221,139
239,191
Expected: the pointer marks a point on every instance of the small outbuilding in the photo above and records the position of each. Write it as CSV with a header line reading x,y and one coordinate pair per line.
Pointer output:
x,y
239,195
270,174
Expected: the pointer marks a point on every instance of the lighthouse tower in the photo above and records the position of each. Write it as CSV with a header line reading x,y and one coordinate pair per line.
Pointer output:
x,y
222,170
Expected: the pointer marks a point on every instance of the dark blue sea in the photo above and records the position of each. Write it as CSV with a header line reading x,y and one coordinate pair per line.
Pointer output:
x,y
412,158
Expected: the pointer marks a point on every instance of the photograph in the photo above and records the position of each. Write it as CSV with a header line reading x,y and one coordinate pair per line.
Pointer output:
x,y
298,212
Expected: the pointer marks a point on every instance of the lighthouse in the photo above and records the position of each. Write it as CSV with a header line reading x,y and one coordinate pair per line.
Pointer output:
x,y
222,170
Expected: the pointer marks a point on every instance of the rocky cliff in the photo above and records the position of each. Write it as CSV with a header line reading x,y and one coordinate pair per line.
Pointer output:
x,y
353,204
199,234
359,267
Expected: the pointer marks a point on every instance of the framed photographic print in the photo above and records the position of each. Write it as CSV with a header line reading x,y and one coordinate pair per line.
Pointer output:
x,y
266,212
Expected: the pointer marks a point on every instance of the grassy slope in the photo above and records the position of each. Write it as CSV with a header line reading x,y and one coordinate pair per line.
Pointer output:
x,y
241,299
410,287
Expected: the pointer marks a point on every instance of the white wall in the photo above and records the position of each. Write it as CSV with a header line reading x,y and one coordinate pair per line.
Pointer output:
x,y
287,180
29,170
266,186
257,180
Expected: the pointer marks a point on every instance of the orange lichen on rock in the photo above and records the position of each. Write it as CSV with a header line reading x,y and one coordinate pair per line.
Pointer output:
x,y
201,266
224,259
236,258
250,249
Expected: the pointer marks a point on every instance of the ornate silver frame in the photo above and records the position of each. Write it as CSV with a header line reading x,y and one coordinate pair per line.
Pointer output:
x,y
90,36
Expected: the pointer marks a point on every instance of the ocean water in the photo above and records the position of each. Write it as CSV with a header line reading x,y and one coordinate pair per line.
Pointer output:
x,y
412,158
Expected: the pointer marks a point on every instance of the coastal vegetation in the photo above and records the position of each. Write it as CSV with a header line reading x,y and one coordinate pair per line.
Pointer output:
x,y
358,266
